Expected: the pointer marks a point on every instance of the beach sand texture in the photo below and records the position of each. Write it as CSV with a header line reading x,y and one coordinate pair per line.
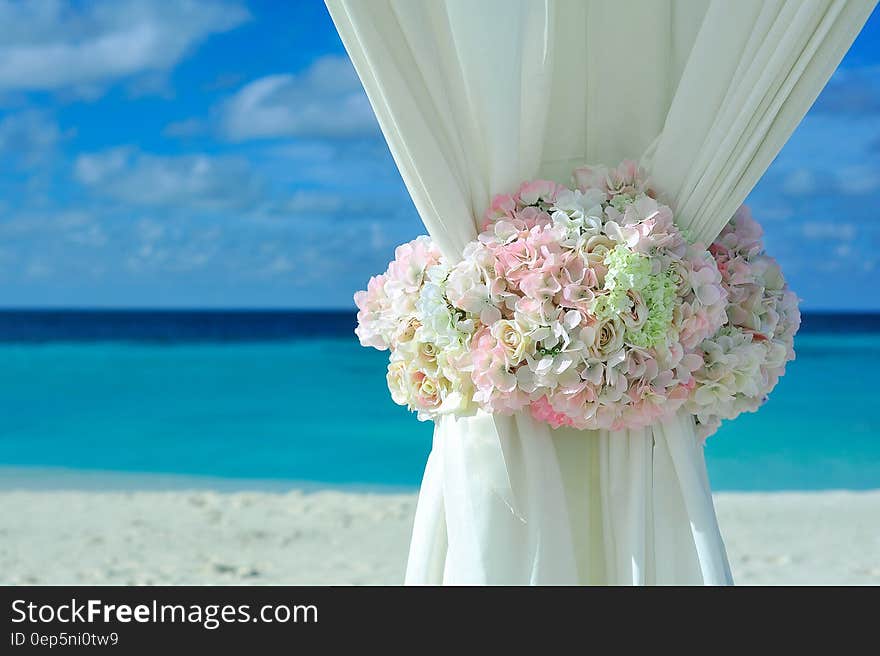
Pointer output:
x,y
328,537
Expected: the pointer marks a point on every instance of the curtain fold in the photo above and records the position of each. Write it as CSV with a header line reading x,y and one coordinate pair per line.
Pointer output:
x,y
426,68
475,97
741,94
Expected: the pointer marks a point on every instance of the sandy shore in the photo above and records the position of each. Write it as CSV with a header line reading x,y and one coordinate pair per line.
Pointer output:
x,y
202,536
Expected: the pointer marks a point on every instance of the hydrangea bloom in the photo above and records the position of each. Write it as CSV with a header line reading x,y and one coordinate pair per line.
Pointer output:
x,y
388,306
586,307
744,360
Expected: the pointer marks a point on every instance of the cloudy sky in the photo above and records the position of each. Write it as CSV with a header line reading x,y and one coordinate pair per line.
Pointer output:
x,y
223,154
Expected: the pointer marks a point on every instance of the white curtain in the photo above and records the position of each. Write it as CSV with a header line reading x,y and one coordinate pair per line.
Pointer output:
x,y
475,96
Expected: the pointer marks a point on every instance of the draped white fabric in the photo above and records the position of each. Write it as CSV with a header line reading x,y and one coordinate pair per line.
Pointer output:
x,y
474,97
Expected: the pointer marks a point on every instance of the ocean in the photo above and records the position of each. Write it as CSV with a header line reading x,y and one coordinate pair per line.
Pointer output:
x,y
291,396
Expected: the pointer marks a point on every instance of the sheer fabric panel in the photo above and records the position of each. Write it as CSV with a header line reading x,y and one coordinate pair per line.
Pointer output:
x,y
475,97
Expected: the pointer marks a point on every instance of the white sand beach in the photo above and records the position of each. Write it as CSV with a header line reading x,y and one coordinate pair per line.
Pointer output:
x,y
329,537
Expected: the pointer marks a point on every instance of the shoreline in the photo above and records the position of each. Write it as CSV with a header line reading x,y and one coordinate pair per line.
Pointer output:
x,y
68,479
65,479
197,534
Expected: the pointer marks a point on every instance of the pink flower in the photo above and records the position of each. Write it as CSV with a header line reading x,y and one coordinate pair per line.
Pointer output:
x,y
590,177
495,382
514,260
503,206
531,217
627,179
536,191
540,285
744,360
742,235
406,272
374,327
543,411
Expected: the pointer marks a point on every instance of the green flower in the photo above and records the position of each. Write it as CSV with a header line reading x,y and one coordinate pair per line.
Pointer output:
x,y
628,270
659,297
620,201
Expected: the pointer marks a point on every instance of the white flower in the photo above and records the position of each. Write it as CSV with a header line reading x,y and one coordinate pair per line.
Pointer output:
x,y
398,379
547,371
466,289
730,376
532,314
579,214
513,340
604,340
441,324
505,231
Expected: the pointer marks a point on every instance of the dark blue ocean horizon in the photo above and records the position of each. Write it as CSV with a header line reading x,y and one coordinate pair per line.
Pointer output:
x,y
289,395
172,325
248,325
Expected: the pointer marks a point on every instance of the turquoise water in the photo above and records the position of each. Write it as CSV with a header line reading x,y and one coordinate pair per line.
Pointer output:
x,y
318,410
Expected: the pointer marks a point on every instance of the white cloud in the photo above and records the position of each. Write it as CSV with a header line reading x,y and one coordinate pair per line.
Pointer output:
x,y
91,235
38,268
178,248
848,180
828,230
326,100
56,45
378,239
858,180
280,264
832,141
149,231
800,182
771,211
306,202
192,127
28,137
193,181
151,84
96,168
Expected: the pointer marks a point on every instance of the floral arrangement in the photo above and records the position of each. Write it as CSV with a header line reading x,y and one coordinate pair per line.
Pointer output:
x,y
588,307
744,360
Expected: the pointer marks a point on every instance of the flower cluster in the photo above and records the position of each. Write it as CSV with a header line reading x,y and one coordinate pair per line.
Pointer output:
x,y
744,360
584,305
406,310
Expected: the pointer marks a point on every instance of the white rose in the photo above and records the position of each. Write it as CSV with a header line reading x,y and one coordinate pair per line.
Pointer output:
x,y
398,379
604,339
513,340
426,356
428,392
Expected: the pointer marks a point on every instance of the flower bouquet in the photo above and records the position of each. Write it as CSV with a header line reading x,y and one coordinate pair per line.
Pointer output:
x,y
589,307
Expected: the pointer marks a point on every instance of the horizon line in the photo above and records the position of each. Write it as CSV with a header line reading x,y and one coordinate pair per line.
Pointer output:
x,y
245,308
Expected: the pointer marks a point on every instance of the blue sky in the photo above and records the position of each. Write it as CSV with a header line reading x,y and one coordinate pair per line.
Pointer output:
x,y
206,154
